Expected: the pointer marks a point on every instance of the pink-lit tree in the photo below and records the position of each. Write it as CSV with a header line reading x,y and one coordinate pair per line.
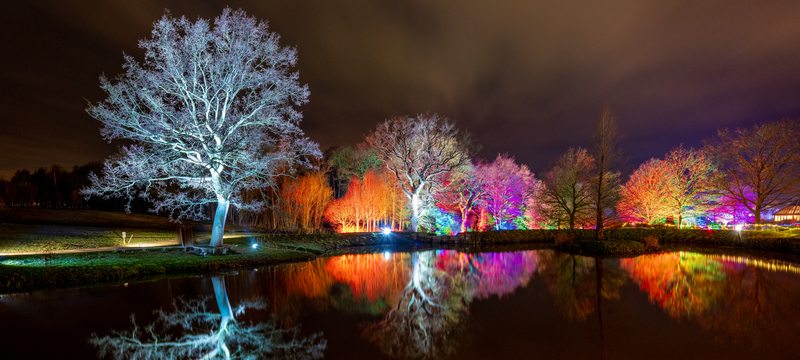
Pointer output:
x,y
507,186
210,111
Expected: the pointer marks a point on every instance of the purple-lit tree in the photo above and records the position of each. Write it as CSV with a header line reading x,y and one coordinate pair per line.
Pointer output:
x,y
507,186
210,112
760,165
418,151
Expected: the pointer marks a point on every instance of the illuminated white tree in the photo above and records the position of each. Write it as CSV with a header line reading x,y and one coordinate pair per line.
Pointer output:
x,y
210,112
418,151
193,331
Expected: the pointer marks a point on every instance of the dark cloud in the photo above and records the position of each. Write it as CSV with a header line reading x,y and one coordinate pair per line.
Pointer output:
x,y
525,77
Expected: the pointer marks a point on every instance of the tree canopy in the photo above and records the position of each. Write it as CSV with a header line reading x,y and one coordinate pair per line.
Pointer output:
x,y
210,111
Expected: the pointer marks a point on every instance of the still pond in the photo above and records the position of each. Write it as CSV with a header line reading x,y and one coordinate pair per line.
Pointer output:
x,y
428,305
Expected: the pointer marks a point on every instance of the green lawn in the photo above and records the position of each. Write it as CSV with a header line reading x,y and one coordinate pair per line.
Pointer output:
x,y
57,270
35,237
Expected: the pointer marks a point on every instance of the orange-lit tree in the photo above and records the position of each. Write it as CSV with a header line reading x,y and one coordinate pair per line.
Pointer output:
x,y
369,204
304,200
644,197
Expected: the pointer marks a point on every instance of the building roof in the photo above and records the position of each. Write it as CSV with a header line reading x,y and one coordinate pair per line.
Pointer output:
x,y
789,210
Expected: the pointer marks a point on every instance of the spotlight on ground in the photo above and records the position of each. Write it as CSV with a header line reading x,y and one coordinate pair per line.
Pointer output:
x,y
387,231
255,246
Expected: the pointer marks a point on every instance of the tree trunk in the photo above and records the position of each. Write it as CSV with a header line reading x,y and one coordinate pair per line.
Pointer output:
x,y
219,222
414,212
222,300
599,229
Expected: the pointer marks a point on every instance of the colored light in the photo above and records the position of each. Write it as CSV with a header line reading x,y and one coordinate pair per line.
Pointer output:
x,y
255,246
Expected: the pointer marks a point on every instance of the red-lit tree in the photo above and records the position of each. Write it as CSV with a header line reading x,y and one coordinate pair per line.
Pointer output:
x,y
461,191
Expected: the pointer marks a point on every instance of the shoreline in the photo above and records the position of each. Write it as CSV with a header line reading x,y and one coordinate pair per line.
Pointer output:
x,y
24,273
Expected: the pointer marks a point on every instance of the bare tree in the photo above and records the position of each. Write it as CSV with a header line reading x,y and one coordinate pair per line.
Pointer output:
x,y
607,154
193,331
210,112
567,194
417,151
760,165
429,315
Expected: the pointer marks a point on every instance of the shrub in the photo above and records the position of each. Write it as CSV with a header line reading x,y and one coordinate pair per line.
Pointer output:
x,y
562,238
650,241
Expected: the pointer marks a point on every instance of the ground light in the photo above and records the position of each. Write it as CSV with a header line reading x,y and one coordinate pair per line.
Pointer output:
x,y
387,231
738,227
387,255
255,245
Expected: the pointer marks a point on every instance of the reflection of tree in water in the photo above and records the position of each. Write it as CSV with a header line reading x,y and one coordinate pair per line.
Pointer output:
x,y
758,308
683,284
194,331
741,304
579,284
424,322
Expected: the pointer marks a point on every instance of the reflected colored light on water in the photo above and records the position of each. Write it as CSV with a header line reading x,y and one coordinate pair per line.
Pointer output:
x,y
772,265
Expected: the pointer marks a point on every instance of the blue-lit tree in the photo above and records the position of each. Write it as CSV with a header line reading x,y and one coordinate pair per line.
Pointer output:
x,y
210,112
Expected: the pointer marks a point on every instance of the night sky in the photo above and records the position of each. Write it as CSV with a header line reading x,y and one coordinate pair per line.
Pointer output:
x,y
525,77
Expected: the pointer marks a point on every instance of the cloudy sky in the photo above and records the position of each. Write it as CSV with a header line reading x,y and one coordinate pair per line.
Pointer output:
x,y
524,77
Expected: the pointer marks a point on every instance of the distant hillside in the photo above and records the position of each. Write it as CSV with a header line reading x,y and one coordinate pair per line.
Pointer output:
x,y
91,218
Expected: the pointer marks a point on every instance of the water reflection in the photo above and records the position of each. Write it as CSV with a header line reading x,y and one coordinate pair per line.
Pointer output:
x,y
739,300
417,305
192,330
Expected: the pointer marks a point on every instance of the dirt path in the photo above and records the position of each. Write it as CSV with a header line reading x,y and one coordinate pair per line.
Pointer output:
x,y
108,248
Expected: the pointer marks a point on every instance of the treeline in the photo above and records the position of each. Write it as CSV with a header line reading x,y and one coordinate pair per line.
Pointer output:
x,y
58,187
739,176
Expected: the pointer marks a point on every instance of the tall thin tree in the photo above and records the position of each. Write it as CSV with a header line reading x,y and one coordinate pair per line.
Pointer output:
x,y
607,154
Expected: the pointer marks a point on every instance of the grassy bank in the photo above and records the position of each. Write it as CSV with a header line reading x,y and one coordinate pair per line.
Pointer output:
x,y
784,241
35,229
30,272
22,273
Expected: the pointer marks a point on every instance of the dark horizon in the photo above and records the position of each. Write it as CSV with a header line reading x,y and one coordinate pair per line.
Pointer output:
x,y
525,78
